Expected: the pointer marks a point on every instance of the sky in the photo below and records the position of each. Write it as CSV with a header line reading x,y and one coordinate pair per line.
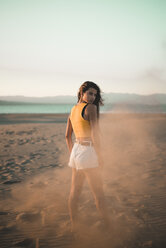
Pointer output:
x,y
50,47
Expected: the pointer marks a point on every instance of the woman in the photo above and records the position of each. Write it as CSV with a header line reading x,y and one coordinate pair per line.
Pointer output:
x,y
85,156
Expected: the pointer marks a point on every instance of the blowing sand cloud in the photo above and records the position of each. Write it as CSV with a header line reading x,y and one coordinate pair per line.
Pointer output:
x,y
34,209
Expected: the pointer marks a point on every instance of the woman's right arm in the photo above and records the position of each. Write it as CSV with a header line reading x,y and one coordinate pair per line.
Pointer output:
x,y
92,116
68,135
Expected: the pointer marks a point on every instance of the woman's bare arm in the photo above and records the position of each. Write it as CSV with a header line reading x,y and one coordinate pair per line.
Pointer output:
x,y
68,135
92,116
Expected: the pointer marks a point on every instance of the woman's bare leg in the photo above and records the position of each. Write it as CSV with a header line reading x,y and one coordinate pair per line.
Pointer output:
x,y
95,182
78,178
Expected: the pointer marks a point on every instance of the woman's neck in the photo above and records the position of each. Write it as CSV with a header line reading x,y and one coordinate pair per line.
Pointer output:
x,y
82,101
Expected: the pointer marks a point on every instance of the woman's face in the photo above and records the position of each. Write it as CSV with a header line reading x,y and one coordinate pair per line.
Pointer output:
x,y
89,96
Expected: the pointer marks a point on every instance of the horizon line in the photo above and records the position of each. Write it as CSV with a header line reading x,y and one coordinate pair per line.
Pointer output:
x,y
76,95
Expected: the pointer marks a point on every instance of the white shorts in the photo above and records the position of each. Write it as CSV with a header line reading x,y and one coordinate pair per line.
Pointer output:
x,y
83,157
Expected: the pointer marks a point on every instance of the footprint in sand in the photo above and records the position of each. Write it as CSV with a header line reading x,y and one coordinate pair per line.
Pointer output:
x,y
56,150
7,145
23,141
30,132
26,243
20,156
36,155
9,163
29,217
9,229
20,133
3,213
12,182
11,141
55,135
24,162
9,132
53,165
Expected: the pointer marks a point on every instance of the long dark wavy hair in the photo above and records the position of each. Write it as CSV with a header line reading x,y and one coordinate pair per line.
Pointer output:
x,y
98,100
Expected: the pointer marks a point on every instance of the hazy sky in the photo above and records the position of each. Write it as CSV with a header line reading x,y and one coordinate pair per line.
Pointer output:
x,y
50,47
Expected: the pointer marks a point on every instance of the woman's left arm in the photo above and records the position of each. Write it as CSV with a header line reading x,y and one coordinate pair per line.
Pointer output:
x,y
92,116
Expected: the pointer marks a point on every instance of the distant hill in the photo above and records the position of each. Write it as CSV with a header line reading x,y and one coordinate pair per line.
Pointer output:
x,y
109,98
154,99
55,99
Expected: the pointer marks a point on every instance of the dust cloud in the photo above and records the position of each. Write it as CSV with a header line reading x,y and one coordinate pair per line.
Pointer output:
x,y
35,211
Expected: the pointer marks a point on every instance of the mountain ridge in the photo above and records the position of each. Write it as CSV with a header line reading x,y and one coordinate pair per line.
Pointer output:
x,y
109,98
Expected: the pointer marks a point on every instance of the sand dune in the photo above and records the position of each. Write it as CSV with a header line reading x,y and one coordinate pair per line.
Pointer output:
x,y
35,183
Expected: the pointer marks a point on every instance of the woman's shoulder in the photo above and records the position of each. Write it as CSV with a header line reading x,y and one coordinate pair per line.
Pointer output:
x,y
91,107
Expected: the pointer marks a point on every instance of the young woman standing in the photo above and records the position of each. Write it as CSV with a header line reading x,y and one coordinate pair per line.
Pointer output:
x,y
85,154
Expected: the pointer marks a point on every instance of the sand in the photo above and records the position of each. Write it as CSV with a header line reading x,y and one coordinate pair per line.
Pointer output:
x,y
35,183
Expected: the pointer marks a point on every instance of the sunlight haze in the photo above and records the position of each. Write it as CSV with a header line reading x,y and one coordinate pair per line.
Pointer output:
x,y
49,48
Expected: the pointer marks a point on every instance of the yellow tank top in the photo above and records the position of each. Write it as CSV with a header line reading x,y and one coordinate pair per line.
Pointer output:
x,y
81,127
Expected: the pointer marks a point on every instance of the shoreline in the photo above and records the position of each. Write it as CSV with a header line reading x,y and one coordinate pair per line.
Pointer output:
x,y
6,119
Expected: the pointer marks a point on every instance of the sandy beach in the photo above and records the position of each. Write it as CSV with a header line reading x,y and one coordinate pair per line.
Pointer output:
x,y
35,183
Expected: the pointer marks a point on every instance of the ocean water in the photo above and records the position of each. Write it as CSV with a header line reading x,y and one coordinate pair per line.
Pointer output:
x,y
30,108
40,108
36,108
